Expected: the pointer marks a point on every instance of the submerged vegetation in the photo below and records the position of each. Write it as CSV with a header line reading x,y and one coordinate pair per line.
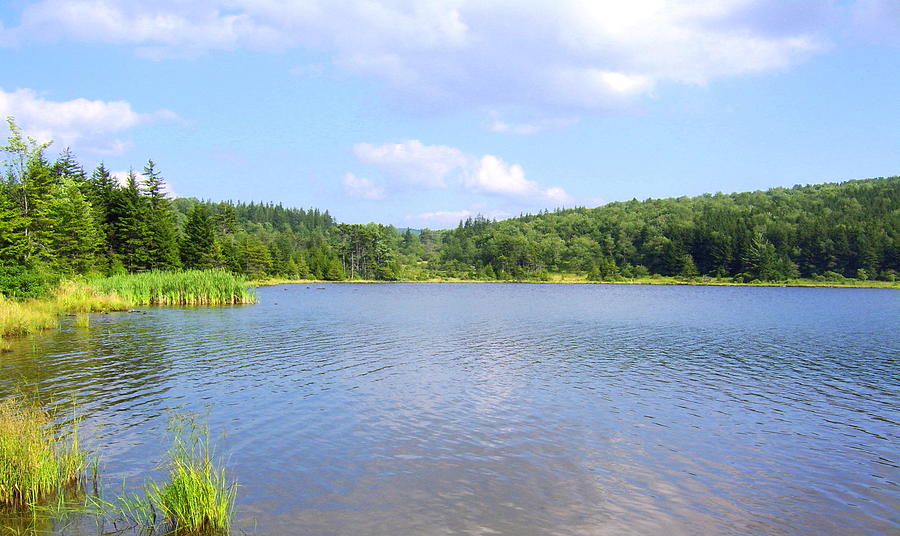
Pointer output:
x,y
36,462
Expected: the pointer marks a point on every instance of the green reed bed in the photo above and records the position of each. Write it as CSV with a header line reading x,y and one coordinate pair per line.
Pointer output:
x,y
35,461
190,287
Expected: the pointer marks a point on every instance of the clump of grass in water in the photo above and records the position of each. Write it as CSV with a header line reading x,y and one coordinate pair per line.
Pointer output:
x,y
34,462
198,496
189,287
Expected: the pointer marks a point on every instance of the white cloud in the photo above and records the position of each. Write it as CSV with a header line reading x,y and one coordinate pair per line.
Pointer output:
x,y
527,127
440,219
493,175
581,54
412,162
361,187
451,218
436,166
80,123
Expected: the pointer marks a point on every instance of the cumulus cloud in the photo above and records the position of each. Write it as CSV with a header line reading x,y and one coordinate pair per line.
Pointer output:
x,y
82,123
435,166
574,54
413,162
361,187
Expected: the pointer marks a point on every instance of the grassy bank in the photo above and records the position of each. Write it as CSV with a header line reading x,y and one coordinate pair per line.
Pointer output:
x,y
35,462
190,287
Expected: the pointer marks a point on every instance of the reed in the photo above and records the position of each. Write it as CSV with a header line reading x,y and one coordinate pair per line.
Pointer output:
x,y
198,497
190,287
83,297
22,318
35,461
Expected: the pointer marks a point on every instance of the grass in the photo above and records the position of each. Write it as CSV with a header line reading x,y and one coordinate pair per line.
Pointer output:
x,y
198,497
120,293
190,287
35,461
22,318
30,316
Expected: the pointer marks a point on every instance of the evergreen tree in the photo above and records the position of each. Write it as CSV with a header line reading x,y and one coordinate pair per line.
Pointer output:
x,y
162,244
128,222
199,249
76,236
13,243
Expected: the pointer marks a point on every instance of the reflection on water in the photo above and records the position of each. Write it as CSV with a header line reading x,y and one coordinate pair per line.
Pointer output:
x,y
509,409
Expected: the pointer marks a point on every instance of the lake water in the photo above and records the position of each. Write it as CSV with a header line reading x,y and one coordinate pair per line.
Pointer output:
x,y
514,409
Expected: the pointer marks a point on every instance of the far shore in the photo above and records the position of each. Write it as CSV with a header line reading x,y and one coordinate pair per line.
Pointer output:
x,y
574,279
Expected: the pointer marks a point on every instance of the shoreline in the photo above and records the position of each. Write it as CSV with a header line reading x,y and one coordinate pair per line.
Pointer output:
x,y
567,279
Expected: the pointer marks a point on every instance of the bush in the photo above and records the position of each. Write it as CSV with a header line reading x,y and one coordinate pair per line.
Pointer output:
x,y
21,282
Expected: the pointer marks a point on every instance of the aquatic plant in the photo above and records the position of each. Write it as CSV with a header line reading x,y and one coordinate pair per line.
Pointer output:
x,y
198,496
35,460
18,318
190,287
82,297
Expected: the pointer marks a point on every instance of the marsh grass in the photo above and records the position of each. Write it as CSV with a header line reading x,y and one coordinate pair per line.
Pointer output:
x,y
37,460
190,287
198,497
18,318
83,297
22,318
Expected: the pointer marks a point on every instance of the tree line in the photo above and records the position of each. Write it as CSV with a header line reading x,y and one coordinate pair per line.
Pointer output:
x,y
58,220
826,231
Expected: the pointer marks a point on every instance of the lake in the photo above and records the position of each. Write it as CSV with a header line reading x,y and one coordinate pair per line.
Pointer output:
x,y
514,409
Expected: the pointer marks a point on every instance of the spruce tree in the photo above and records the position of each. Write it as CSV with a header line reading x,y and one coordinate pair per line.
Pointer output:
x,y
199,249
162,246
75,234
128,218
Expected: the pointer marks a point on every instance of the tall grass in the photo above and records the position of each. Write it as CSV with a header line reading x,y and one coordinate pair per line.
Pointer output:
x,y
190,287
35,462
198,497
83,297
22,318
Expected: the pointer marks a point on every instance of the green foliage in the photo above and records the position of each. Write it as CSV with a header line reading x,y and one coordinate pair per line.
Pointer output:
x,y
20,281
199,249
36,461
776,235
189,287
197,497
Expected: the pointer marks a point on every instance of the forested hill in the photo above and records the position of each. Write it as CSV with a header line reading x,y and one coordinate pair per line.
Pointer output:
x,y
851,229
58,220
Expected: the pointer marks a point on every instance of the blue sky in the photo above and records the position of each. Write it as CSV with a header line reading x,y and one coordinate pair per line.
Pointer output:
x,y
419,113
